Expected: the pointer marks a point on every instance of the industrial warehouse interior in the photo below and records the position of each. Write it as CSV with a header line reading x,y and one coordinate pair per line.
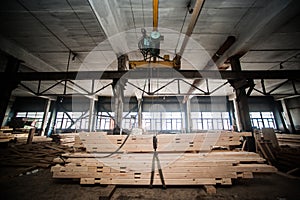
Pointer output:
x,y
150,99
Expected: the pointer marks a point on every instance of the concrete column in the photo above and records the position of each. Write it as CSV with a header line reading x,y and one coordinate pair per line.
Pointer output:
x,y
188,121
52,119
118,107
231,107
118,87
92,114
241,97
288,118
237,115
8,85
9,112
45,117
279,117
140,117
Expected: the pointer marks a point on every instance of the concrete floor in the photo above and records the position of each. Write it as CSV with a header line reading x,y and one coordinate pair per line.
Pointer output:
x,y
41,185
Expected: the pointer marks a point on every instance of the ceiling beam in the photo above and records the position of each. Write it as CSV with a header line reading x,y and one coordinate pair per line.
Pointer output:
x,y
20,53
254,29
152,73
195,15
113,24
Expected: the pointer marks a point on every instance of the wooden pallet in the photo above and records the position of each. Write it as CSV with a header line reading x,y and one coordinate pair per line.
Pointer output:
x,y
31,155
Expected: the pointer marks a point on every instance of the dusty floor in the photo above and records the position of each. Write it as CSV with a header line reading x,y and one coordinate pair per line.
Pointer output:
x,y
40,185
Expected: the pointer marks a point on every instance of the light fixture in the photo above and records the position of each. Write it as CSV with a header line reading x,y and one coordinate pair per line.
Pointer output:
x,y
281,66
74,56
189,7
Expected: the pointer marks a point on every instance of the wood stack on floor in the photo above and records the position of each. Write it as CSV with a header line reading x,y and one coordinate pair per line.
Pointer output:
x,y
288,160
66,139
291,140
280,150
181,156
31,155
101,142
6,134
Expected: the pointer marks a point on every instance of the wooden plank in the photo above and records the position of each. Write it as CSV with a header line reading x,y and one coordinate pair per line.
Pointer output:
x,y
269,134
30,136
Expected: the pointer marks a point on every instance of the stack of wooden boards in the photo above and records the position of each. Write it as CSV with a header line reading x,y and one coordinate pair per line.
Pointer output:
x,y
185,159
31,155
280,150
6,134
66,139
291,140
6,137
101,142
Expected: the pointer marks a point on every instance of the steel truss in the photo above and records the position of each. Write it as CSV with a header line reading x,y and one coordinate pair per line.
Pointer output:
x,y
67,78
156,92
271,91
66,83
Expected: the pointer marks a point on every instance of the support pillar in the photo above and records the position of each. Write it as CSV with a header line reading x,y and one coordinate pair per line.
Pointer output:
x,y
52,119
45,117
7,86
288,117
118,90
279,117
188,125
92,115
242,107
237,115
140,117
118,107
231,110
241,96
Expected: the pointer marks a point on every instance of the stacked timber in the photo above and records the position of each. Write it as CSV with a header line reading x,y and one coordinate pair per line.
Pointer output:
x,y
101,142
291,140
6,134
31,155
67,139
6,137
185,159
22,138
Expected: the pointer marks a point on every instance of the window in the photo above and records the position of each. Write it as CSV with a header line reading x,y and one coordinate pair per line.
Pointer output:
x,y
262,120
129,120
104,121
163,121
33,116
72,120
210,121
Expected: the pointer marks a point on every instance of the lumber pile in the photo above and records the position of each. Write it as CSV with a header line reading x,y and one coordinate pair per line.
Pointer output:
x,y
280,150
182,162
292,140
6,137
288,159
22,138
101,142
6,129
31,155
6,134
66,139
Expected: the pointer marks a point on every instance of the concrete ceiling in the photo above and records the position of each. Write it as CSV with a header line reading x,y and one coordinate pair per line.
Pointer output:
x,y
41,33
